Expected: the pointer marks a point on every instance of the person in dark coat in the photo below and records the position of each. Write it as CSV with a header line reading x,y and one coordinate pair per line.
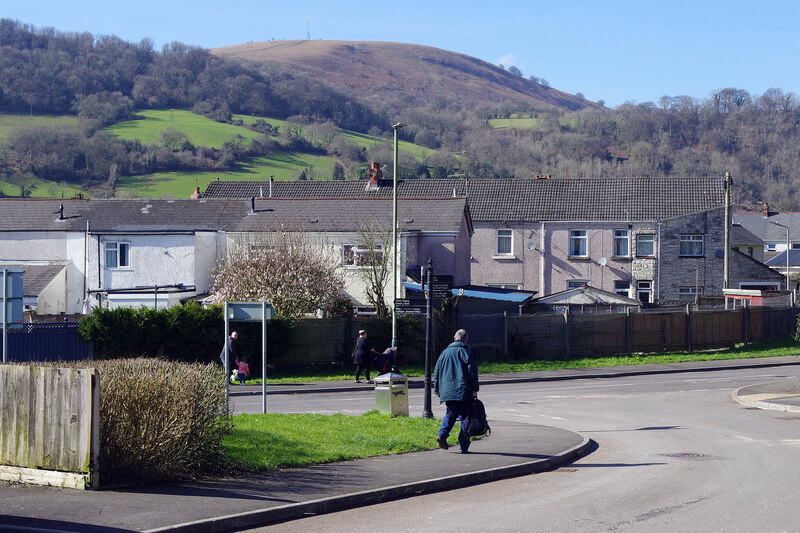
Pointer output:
x,y
455,382
362,355
233,353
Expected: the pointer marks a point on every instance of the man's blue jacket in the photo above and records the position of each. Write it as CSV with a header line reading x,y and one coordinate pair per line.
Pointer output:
x,y
456,374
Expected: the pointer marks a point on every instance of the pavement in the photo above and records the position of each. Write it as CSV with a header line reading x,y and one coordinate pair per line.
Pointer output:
x,y
235,503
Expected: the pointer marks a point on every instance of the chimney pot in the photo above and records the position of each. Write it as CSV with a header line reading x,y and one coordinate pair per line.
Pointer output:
x,y
765,209
252,204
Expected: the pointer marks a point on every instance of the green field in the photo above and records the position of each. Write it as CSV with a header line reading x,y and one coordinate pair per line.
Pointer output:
x,y
8,122
201,131
181,184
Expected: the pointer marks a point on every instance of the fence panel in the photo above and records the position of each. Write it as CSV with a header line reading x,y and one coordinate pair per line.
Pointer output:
x,y
48,420
539,336
716,329
46,341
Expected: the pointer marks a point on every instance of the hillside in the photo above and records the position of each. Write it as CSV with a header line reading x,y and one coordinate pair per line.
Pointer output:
x,y
387,68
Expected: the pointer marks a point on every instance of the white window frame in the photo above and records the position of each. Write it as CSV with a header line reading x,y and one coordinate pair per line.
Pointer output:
x,y
359,253
651,241
580,238
689,294
687,243
576,283
504,235
116,248
622,236
644,287
622,291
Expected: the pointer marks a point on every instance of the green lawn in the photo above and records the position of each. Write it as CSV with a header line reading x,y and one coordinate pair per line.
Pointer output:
x,y
269,441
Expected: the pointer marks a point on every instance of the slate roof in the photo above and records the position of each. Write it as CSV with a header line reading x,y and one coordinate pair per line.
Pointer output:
x,y
120,215
512,200
741,236
38,277
766,230
335,214
780,259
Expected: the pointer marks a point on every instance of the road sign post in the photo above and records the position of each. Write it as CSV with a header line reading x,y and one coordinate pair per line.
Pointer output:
x,y
249,312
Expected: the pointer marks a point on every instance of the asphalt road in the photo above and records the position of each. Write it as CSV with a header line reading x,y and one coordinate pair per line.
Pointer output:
x,y
675,453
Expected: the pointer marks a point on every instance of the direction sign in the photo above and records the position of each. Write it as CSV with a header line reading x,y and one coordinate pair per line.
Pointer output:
x,y
411,306
441,287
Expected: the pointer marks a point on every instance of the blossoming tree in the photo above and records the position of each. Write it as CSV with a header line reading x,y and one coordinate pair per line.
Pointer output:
x,y
284,268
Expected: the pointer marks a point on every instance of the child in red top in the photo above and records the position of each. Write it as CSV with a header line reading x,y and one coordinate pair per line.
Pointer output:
x,y
244,370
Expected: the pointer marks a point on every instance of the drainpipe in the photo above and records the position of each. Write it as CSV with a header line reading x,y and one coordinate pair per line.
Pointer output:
x,y
658,266
542,259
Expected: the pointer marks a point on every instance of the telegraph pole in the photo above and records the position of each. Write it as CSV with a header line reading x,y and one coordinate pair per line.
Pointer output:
x,y
727,229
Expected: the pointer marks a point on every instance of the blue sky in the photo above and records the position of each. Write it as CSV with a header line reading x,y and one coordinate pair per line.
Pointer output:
x,y
615,51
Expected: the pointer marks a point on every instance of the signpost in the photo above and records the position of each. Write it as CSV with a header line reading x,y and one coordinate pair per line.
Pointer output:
x,y
249,312
441,286
411,306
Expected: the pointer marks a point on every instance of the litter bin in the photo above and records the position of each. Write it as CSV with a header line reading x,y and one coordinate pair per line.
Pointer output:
x,y
391,394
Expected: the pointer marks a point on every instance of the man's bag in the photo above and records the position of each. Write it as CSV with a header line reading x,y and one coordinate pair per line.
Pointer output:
x,y
475,425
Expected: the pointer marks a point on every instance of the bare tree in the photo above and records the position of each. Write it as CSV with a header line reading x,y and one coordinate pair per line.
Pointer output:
x,y
374,256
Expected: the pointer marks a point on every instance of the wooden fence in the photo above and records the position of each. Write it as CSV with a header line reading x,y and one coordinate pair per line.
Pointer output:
x,y
554,336
563,336
49,426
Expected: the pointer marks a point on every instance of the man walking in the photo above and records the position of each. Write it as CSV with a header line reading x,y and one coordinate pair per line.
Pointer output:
x,y
455,382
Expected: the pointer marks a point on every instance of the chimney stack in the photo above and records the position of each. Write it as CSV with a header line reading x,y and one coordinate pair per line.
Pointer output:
x,y
375,174
196,193
765,210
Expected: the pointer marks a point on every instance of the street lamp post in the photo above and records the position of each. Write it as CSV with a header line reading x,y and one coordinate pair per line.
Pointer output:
x,y
396,128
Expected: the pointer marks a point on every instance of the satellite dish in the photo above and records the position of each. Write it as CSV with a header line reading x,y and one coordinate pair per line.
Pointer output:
x,y
531,245
602,261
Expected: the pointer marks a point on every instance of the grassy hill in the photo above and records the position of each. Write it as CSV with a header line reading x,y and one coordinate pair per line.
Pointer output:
x,y
201,131
387,68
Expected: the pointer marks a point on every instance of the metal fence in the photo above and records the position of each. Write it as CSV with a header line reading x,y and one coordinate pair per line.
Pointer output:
x,y
46,341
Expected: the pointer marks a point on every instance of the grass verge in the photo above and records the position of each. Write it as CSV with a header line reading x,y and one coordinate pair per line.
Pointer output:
x,y
777,348
264,442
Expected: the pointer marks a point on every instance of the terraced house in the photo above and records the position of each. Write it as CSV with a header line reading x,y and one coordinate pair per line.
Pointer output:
x,y
659,240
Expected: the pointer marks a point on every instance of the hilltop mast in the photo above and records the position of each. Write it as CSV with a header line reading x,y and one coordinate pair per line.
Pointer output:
x,y
308,27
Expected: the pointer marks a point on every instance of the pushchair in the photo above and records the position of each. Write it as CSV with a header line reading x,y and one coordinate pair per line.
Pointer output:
x,y
388,361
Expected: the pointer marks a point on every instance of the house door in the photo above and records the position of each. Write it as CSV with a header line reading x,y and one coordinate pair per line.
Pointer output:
x,y
644,291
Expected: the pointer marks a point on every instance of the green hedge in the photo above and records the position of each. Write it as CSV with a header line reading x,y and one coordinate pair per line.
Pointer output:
x,y
189,333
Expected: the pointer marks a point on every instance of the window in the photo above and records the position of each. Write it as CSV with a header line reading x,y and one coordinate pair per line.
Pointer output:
x,y
118,254
772,247
644,291
691,245
576,283
577,243
645,245
504,242
621,240
623,288
689,293
359,255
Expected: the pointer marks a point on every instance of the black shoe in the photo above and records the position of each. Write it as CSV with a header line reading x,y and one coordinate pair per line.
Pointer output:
x,y
358,381
442,442
464,451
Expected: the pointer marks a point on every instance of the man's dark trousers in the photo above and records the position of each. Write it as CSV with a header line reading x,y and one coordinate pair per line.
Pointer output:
x,y
456,410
